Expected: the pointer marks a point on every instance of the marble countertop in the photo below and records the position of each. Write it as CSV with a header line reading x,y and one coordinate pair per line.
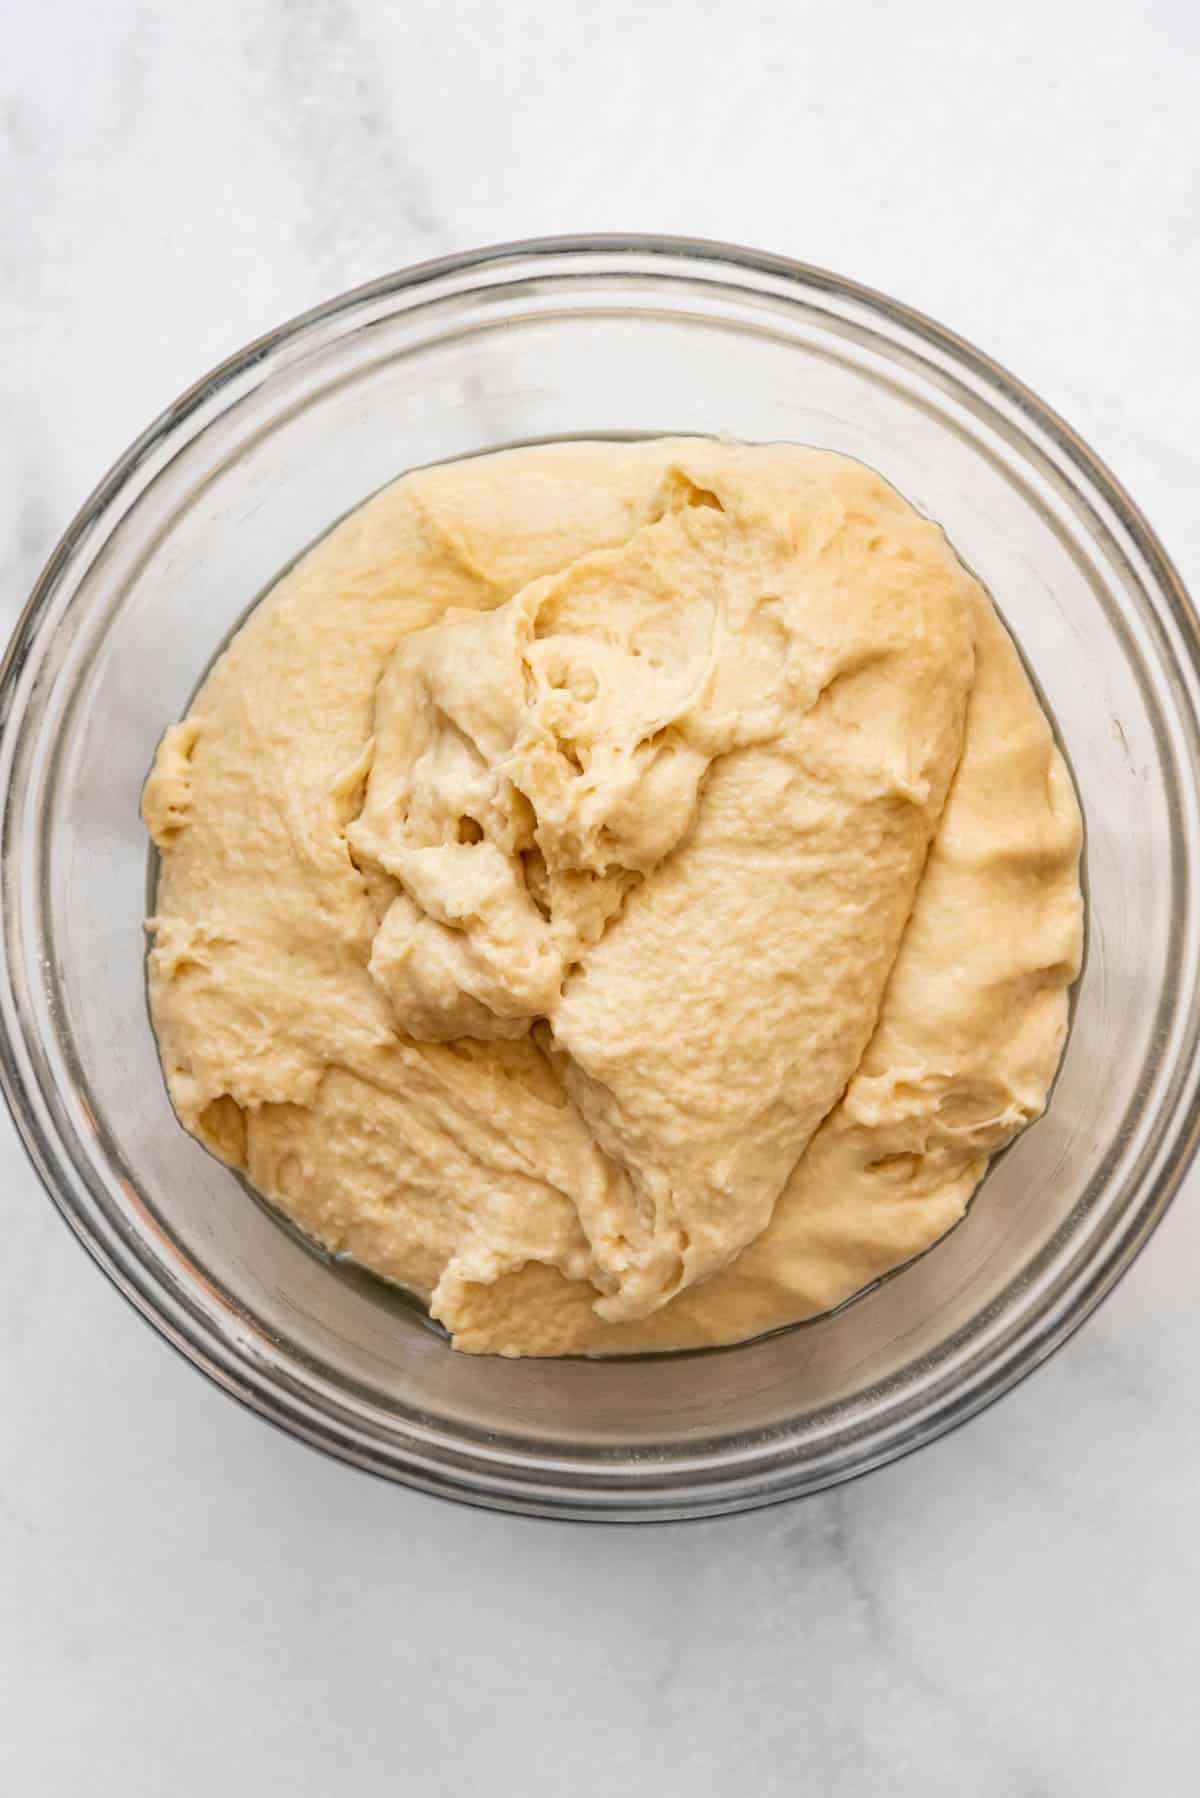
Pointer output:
x,y
193,1603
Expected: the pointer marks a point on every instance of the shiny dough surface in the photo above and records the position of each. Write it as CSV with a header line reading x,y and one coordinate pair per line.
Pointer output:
x,y
624,893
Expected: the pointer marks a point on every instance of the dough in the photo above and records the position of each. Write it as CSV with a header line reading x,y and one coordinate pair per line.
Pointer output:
x,y
624,893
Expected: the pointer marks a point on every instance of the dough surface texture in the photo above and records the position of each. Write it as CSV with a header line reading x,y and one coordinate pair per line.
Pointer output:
x,y
623,893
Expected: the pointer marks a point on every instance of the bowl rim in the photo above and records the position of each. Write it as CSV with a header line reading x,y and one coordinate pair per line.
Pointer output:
x,y
464,1475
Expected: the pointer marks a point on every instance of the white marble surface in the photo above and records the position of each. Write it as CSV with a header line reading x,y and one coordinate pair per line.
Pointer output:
x,y
192,1603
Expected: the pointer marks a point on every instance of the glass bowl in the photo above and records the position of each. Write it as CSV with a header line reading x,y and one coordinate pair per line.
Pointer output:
x,y
602,337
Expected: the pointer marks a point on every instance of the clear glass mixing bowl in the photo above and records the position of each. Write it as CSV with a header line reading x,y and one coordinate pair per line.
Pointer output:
x,y
615,336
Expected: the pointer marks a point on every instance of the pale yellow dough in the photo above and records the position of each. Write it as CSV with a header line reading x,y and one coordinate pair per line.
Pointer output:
x,y
623,893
